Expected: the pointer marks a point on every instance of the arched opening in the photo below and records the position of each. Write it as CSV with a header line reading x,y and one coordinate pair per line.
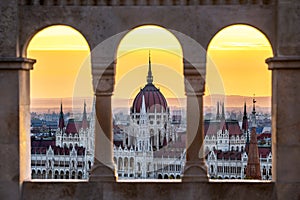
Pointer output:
x,y
61,175
159,176
63,62
67,175
33,174
90,164
144,56
131,163
237,55
73,175
56,174
126,164
166,176
79,175
49,174
120,163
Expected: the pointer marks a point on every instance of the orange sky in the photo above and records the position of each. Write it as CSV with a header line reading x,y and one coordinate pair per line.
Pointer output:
x,y
62,68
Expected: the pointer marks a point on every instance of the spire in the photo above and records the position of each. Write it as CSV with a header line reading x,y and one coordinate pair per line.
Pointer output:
x,y
61,121
223,112
254,101
149,77
218,112
245,127
253,164
245,119
84,118
253,117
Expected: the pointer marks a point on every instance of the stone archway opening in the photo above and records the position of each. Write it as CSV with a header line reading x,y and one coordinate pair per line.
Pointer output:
x,y
61,53
144,56
237,54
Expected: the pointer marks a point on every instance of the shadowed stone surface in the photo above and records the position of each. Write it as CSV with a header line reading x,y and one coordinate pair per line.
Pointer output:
x,y
148,190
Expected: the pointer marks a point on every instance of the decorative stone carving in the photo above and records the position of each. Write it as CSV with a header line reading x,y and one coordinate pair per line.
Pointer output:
x,y
103,78
105,85
194,78
194,85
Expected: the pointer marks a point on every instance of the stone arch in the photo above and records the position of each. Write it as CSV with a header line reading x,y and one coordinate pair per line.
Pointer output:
x,y
126,164
159,176
62,175
49,174
261,28
120,163
73,175
33,174
226,27
56,174
67,175
80,175
166,176
138,167
131,163
29,35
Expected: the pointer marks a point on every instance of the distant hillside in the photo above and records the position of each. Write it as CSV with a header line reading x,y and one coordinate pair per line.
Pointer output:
x,y
232,102
45,105
237,101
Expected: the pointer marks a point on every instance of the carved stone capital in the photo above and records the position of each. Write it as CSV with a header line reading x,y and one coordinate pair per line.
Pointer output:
x,y
16,63
104,86
194,85
103,78
284,62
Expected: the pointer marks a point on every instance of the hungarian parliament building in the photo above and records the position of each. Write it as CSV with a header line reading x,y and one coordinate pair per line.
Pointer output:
x,y
150,143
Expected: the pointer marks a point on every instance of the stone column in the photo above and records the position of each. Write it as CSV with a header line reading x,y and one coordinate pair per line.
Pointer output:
x,y
195,169
104,167
285,124
15,125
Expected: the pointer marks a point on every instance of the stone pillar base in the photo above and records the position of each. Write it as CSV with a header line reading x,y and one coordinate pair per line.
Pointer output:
x,y
102,173
195,172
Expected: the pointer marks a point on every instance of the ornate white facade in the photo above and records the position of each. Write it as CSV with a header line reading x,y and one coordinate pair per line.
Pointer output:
x,y
151,147
70,155
226,148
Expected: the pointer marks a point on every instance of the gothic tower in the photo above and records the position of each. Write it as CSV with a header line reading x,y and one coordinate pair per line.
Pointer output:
x,y
253,164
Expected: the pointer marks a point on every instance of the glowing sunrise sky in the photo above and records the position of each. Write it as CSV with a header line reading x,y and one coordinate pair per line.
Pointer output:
x,y
62,70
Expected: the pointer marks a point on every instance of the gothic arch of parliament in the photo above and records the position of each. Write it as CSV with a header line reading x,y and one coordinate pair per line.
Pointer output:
x,y
98,20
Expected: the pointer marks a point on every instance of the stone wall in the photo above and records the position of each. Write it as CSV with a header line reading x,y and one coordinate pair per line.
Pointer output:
x,y
278,20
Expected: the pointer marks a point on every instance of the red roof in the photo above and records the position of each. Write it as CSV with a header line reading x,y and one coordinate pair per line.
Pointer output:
x,y
153,99
212,127
57,150
228,155
74,126
264,151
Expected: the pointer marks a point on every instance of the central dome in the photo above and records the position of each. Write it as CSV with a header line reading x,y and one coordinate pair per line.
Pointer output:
x,y
154,99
